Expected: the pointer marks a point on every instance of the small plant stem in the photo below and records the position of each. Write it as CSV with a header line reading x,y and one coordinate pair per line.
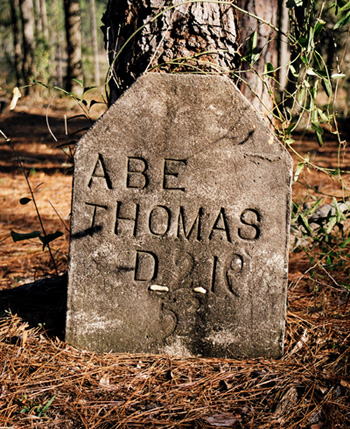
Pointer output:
x,y
8,141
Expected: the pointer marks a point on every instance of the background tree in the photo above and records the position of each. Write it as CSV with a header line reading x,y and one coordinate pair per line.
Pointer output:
x,y
28,46
94,42
259,47
16,41
73,38
43,15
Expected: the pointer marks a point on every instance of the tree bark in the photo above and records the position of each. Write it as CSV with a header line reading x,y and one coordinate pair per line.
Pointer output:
x,y
16,41
38,20
94,41
283,51
257,86
185,38
44,19
27,17
73,39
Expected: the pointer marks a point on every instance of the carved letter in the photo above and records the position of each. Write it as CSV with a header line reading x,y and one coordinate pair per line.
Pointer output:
x,y
159,224
146,266
132,219
224,225
94,228
136,174
100,171
196,225
172,169
251,218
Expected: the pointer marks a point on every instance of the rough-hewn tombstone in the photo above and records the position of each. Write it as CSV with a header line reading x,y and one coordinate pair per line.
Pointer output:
x,y
180,220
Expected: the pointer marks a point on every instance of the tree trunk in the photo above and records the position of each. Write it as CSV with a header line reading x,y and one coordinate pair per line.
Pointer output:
x,y
94,41
44,19
16,41
186,38
73,38
38,20
284,53
27,17
255,85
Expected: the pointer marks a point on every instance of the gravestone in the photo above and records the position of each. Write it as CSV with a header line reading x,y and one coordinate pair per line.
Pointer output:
x,y
180,224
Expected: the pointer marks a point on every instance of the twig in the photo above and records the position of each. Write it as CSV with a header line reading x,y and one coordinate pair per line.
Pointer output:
x,y
8,141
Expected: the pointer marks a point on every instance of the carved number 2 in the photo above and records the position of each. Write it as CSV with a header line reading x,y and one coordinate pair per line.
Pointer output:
x,y
185,262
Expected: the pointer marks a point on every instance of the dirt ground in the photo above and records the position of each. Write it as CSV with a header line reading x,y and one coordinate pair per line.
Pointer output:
x,y
318,317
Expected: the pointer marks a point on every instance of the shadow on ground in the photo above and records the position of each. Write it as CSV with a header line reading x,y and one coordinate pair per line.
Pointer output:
x,y
43,302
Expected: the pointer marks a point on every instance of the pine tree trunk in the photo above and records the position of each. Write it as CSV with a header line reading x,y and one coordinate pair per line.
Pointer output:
x,y
257,85
27,17
94,41
73,38
44,19
188,37
284,53
38,20
16,41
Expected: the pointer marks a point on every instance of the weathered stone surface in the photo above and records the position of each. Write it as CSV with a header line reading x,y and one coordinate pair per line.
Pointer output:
x,y
180,224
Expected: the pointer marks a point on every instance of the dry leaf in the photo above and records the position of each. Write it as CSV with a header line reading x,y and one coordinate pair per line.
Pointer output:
x,y
345,383
16,95
222,420
104,381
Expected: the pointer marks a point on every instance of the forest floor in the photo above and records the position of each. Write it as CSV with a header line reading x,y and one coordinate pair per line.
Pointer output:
x,y
46,383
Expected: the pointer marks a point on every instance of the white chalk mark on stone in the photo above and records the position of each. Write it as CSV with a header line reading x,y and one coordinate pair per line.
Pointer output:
x,y
159,288
200,290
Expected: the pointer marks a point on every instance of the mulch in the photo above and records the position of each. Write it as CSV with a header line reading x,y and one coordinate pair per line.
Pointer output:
x,y
47,383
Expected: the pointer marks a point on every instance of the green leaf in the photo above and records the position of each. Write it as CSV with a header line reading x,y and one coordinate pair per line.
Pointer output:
x,y
345,7
298,170
335,172
314,207
319,28
343,21
331,224
93,102
338,75
253,41
305,223
310,43
324,118
88,88
17,236
46,407
268,69
301,95
294,3
290,128
293,70
25,201
319,132
253,53
50,237
289,141
338,212
327,86
79,81
345,243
